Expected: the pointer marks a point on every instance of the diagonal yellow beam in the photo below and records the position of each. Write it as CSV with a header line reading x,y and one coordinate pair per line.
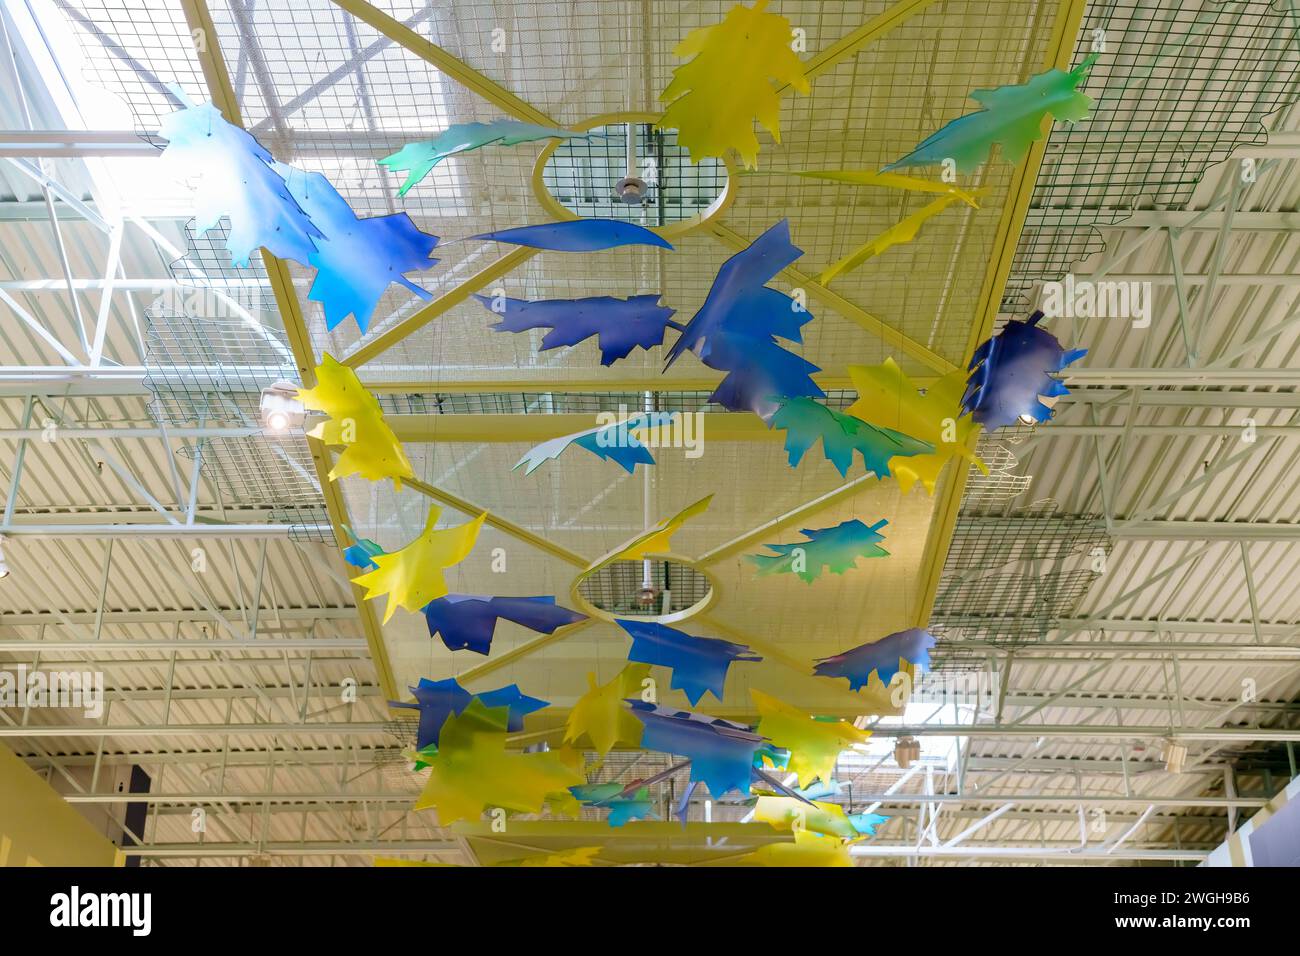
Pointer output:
x,y
854,313
504,525
498,661
851,43
439,306
1060,48
457,69
223,97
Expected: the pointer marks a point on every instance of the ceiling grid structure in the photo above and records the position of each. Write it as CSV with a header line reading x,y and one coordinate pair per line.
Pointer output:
x,y
255,688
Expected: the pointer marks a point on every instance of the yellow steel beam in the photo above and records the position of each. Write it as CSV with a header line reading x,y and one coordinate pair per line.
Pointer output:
x,y
503,525
457,69
718,426
223,97
854,313
851,43
612,384
1060,48
426,314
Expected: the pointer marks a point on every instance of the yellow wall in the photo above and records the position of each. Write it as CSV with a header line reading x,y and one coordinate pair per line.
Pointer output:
x,y
38,828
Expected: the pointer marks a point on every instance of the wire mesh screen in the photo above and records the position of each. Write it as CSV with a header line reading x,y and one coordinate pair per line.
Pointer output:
x,y
624,588
1176,88
1008,580
582,175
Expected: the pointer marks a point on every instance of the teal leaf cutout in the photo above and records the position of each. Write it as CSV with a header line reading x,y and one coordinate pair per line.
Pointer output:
x,y
835,549
805,421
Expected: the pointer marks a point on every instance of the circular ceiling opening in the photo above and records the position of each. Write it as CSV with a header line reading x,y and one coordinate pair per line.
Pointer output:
x,y
591,177
660,589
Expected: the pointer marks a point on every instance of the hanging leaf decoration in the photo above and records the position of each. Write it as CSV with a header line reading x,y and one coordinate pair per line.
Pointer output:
x,y
354,421
698,664
236,180
721,753
636,807
904,230
1012,371
806,421
888,399
808,849
357,259
472,770
1012,117
613,442
468,621
412,576
620,324
736,329
715,99
418,159
436,700
600,716
836,549
362,551
814,744
578,235
829,819
910,646
656,540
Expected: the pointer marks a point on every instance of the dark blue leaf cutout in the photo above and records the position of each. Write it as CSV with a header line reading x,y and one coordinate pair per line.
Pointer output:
x,y
578,235
237,181
621,324
805,421
1012,370
912,645
736,329
438,700
357,259
468,621
698,664
721,753
836,549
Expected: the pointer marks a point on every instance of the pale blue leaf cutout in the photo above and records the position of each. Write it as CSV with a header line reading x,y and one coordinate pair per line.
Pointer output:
x,y
236,180
608,442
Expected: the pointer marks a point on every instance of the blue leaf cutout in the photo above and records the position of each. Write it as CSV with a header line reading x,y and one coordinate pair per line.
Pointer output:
x,y
866,823
596,794
236,180
637,807
698,664
420,158
882,656
736,329
438,700
621,324
805,421
617,442
578,235
468,621
357,258
837,549
1012,370
721,753
361,553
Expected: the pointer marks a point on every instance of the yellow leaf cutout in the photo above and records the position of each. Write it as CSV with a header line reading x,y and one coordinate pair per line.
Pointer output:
x,y
355,421
412,576
787,813
888,399
658,540
904,230
813,744
579,856
472,770
600,714
808,849
716,97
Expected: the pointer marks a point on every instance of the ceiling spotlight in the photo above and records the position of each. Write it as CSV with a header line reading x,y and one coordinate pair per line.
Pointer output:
x,y
1028,419
280,407
4,566
906,750
630,190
